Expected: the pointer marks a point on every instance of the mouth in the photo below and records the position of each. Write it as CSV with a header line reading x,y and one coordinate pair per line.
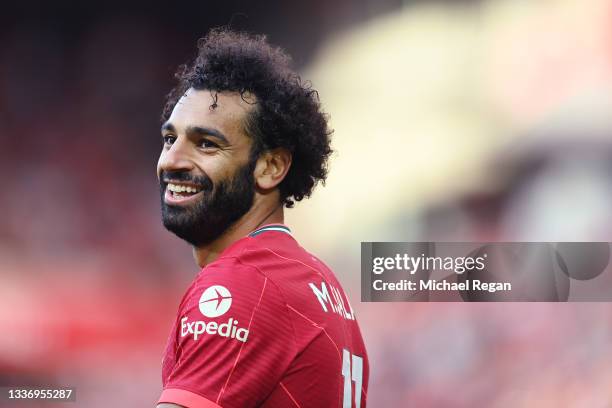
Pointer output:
x,y
181,193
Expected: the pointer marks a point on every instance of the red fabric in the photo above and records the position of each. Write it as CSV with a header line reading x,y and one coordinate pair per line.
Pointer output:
x,y
278,347
185,398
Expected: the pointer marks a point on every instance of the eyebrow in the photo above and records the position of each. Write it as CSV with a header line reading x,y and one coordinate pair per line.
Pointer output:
x,y
197,130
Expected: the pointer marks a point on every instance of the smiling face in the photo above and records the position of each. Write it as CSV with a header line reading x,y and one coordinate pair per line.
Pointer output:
x,y
205,172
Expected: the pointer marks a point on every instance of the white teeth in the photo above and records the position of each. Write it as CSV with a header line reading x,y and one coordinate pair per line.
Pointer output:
x,y
176,188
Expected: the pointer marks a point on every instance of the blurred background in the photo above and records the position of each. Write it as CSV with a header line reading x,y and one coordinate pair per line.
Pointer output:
x,y
457,120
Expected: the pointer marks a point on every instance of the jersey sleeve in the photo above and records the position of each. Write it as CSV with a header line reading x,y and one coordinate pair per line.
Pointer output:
x,y
234,340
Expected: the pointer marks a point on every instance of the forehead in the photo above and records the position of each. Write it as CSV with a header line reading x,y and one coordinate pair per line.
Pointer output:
x,y
194,109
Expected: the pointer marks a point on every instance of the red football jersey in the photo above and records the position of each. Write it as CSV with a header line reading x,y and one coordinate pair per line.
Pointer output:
x,y
265,325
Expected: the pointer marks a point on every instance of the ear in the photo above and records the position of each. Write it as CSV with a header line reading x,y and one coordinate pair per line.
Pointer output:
x,y
272,167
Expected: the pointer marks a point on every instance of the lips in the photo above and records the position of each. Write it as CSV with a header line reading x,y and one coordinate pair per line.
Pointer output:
x,y
181,193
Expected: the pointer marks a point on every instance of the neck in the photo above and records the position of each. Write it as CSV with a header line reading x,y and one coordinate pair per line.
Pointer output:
x,y
261,213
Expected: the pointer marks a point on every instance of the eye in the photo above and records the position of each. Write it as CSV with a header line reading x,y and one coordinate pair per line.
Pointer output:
x,y
168,139
207,144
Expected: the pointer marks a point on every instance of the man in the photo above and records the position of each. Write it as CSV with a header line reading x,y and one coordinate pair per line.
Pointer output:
x,y
265,323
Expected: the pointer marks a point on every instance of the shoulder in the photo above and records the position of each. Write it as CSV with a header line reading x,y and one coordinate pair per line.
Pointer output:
x,y
232,288
296,273
274,254
231,304
227,282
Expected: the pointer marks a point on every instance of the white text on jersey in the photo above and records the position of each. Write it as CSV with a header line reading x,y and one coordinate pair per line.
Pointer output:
x,y
227,329
337,304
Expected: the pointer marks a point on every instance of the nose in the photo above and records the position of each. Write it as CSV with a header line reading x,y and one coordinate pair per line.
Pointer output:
x,y
175,158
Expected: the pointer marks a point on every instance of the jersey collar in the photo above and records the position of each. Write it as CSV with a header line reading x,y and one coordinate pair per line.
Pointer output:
x,y
271,227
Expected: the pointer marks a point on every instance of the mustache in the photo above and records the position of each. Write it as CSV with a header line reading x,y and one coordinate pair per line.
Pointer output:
x,y
182,176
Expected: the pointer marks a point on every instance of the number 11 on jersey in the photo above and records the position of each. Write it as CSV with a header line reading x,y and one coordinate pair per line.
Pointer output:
x,y
355,374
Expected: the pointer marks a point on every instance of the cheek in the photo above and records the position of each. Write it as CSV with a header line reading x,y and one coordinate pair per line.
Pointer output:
x,y
214,167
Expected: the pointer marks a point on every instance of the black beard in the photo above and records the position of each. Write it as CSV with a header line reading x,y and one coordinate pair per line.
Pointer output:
x,y
220,206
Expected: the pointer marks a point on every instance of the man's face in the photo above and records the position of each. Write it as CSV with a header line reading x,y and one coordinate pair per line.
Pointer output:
x,y
205,175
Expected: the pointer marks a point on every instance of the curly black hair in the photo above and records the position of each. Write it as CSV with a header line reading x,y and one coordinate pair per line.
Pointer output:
x,y
287,110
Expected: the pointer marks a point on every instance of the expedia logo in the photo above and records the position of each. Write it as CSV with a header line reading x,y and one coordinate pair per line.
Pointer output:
x,y
214,302
228,329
